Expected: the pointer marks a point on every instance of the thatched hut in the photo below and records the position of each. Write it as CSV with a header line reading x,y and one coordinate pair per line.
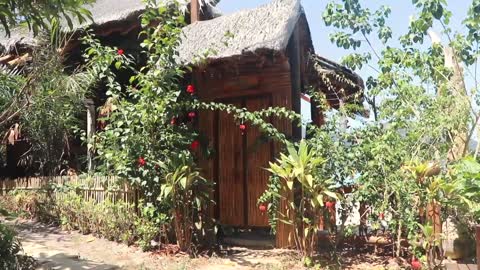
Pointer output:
x,y
261,57
255,59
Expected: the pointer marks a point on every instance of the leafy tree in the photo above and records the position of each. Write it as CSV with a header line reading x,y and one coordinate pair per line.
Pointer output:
x,y
39,14
423,110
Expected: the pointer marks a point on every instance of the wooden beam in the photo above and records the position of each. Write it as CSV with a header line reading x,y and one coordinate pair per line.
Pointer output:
x,y
6,58
194,11
91,120
20,61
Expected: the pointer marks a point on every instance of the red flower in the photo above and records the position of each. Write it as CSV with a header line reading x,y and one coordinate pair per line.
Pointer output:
x,y
416,265
141,162
190,89
173,121
194,145
262,208
192,115
330,205
381,216
243,127
120,52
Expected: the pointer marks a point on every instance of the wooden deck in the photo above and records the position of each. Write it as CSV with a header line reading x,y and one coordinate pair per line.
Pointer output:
x,y
456,266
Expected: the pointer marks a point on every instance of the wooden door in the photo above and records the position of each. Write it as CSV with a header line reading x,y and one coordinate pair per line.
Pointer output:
x,y
231,173
241,162
259,153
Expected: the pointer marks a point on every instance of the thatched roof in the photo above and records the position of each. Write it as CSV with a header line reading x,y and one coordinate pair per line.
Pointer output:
x,y
265,28
19,39
111,11
268,27
339,83
105,13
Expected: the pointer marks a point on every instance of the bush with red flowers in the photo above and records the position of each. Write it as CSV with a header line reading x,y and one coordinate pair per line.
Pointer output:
x,y
151,127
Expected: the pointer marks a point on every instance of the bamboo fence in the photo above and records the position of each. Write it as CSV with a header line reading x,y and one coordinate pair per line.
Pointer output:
x,y
97,188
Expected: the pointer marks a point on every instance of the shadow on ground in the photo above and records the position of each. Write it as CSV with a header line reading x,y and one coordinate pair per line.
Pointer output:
x,y
254,257
62,261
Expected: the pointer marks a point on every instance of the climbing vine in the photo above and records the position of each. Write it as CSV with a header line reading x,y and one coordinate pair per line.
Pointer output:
x,y
150,133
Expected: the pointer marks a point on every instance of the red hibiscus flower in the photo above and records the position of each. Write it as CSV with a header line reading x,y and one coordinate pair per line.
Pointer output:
x,y
416,264
330,205
194,145
190,89
141,162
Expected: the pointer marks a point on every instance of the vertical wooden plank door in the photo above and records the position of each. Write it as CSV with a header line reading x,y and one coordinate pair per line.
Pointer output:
x,y
259,152
230,170
241,162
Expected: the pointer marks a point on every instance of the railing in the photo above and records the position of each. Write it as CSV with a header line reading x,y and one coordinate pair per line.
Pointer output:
x,y
98,188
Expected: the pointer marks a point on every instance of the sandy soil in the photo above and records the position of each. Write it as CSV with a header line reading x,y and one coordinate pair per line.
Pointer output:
x,y
60,250
55,249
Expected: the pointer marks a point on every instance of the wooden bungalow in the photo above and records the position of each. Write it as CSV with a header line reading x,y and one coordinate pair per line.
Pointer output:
x,y
256,59
261,57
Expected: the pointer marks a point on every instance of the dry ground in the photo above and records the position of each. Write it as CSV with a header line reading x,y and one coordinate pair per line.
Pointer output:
x,y
60,250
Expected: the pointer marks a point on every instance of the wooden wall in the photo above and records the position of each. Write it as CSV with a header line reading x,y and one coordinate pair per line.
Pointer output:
x,y
238,161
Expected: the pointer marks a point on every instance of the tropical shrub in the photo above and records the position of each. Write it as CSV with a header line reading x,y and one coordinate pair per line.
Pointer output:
x,y
117,221
151,227
187,191
113,221
44,106
297,170
29,204
10,248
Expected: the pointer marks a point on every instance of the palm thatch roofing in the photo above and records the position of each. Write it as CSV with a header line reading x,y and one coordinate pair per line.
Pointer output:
x,y
247,32
339,83
105,13
268,27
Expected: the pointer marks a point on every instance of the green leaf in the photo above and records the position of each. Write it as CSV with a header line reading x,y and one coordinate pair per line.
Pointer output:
x,y
309,179
183,182
331,194
289,184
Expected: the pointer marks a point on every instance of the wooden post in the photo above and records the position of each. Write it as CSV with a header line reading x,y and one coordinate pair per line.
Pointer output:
x,y
293,50
194,11
478,246
90,131
285,232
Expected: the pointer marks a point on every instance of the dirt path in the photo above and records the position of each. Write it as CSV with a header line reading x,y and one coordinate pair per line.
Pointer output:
x,y
59,250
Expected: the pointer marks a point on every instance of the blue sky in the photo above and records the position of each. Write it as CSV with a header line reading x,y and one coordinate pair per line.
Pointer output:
x,y
401,12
